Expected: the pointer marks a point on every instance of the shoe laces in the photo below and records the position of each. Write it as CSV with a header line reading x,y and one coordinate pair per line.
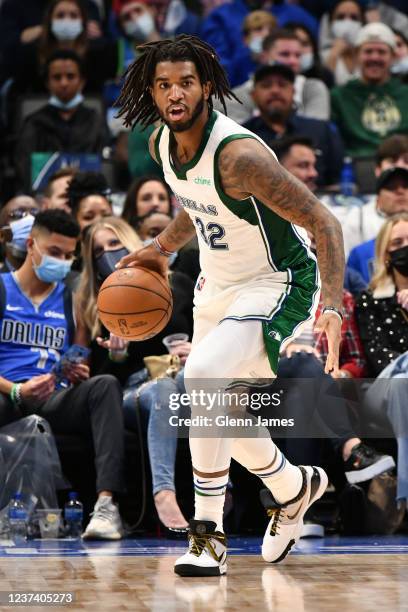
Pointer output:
x,y
104,513
199,542
276,515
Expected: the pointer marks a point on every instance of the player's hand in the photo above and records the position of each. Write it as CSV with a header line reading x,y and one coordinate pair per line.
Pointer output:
x,y
148,257
402,298
38,389
330,324
293,349
114,344
76,372
182,350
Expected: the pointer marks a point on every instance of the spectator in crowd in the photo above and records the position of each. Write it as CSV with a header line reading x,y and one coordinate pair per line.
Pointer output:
x,y
88,197
151,224
392,189
35,296
311,96
55,193
400,64
105,243
346,20
297,155
362,223
174,17
310,63
145,195
221,26
16,220
140,162
382,315
21,27
65,124
273,94
375,105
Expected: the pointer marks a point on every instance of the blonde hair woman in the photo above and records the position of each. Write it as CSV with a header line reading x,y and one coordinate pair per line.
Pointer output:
x,y
104,244
382,316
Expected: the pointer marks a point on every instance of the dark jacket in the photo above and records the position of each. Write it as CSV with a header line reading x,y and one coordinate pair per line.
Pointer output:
x,y
323,134
46,132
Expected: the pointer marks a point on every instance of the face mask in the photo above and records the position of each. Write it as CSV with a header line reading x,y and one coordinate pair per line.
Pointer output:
x,y
255,44
21,230
66,29
51,269
306,61
346,29
399,260
400,66
73,103
105,263
140,28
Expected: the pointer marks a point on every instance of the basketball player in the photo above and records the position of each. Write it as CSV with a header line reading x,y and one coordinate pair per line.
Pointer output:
x,y
259,280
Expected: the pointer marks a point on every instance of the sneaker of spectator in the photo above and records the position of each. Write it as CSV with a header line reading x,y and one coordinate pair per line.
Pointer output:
x,y
88,197
365,463
55,193
273,94
311,96
105,523
375,105
392,199
65,124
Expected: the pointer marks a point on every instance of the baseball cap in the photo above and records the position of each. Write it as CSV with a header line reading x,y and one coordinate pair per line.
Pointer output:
x,y
285,71
389,174
376,32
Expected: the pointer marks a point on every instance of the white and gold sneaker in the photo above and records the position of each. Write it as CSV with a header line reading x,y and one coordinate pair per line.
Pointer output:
x,y
286,520
207,551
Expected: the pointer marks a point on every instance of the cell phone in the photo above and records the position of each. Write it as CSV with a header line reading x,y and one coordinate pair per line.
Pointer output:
x,y
75,354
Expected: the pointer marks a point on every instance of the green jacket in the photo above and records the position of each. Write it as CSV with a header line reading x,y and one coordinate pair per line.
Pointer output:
x,y
366,114
140,162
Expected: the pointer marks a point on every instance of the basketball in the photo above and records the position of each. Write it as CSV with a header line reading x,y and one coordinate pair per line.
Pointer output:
x,y
135,303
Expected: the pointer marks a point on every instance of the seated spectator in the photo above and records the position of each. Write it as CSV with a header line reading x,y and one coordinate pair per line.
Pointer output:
x,y
273,94
382,316
90,407
104,245
65,124
310,64
362,223
297,155
65,28
88,197
21,26
139,160
400,64
145,195
311,96
16,220
375,105
151,224
221,26
392,189
346,20
55,193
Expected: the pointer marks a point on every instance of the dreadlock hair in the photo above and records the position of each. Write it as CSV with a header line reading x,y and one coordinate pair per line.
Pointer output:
x,y
84,184
135,99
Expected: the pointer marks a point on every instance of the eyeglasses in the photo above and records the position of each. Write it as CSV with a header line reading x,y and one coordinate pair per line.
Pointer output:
x,y
19,213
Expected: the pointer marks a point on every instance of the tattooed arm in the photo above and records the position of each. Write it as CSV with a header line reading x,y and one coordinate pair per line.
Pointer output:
x,y
248,168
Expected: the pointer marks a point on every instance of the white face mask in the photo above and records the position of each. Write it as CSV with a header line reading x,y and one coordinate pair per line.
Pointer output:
x,y
400,66
255,45
66,29
306,61
140,28
347,29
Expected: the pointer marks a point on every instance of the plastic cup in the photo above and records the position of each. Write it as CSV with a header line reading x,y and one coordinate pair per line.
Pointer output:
x,y
173,340
49,520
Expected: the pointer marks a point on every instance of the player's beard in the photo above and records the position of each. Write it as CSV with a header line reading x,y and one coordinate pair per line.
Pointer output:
x,y
186,125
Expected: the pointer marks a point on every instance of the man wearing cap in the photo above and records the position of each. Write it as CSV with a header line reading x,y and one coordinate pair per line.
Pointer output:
x,y
392,190
369,108
273,95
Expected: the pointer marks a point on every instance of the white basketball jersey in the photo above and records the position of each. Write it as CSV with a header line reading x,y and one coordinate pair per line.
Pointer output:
x,y
239,240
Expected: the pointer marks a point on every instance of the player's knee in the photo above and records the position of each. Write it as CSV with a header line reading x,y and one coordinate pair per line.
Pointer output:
x,y
198,367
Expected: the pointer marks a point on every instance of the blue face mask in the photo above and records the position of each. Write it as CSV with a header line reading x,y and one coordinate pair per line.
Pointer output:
x,y
51,269
73,103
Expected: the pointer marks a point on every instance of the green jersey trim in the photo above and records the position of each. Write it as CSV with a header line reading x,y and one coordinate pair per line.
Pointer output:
x,y
157,146
229,202
181,173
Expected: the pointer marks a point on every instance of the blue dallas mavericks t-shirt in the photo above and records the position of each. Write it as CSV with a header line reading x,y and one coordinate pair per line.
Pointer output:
x,y
33,338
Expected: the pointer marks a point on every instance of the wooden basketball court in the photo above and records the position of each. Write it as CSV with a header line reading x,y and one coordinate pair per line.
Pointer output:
x,y
350,575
